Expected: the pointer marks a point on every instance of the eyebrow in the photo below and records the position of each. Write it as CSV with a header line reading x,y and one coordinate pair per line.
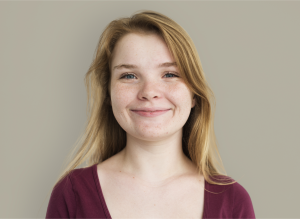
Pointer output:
x,y
130,66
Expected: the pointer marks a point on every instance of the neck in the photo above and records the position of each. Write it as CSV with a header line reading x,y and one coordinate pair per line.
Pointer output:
x,y
155,165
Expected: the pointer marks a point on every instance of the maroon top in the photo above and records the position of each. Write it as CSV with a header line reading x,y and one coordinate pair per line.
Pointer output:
x,y
79,195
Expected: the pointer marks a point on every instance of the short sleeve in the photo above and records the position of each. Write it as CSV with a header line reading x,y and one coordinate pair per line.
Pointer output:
x,y
62,203
242,204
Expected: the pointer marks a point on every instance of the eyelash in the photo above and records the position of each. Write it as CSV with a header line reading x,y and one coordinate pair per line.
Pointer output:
x,y
126,74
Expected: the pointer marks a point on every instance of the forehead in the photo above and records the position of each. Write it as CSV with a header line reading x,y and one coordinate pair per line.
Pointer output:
x,y
141,50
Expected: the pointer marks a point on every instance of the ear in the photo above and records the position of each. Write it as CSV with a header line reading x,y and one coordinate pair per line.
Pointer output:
x,y
194,102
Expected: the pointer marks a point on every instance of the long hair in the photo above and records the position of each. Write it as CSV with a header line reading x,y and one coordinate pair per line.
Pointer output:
x,y
103,136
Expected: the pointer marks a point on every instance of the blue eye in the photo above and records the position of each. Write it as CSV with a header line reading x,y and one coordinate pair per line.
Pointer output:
x,y
171,74
128,74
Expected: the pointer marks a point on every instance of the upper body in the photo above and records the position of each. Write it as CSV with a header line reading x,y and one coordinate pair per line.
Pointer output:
x,y
151,176
92,192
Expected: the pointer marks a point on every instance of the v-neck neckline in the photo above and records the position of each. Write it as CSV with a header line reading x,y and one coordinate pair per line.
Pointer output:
x,y
106,211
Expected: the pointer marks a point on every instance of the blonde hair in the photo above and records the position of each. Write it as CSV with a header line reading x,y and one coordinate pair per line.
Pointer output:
x,y
104,137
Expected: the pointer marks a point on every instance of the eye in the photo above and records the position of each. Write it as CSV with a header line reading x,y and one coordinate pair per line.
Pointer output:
x,y
128,74
125,75
169,73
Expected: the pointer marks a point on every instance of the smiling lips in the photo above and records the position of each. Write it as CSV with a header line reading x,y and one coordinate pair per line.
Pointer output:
x,y
154,109
150,112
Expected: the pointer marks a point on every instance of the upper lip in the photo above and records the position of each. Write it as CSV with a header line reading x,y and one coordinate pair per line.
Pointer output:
x,y
149,109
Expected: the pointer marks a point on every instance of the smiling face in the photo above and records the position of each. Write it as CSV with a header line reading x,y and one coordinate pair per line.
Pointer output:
x,y
149,85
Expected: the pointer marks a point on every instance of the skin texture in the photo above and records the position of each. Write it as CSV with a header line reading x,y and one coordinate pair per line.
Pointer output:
x,y
153,152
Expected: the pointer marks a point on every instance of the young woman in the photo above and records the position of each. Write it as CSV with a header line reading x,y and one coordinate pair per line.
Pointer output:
x,y
149,144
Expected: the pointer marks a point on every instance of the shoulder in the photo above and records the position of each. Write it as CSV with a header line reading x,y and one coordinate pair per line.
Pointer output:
x,y
77,188
236,190
82,174
62,202
242,203
233,198
233,195
73,176
240,193
75,179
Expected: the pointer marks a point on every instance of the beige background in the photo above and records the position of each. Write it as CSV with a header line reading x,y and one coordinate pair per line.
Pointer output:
x,y
250,55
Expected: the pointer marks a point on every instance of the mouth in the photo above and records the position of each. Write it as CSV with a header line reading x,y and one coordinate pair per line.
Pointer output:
x,y
150,110
147,113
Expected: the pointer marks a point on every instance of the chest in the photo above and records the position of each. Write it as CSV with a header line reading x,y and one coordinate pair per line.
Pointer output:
x,y
182,198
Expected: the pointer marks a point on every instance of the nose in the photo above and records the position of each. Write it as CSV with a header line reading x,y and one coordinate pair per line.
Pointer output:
x,y
150,90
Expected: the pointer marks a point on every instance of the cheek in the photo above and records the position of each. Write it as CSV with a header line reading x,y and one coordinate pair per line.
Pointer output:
x,y
180,93
121,95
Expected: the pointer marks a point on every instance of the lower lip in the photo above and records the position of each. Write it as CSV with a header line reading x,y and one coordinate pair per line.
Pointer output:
x,y
151,114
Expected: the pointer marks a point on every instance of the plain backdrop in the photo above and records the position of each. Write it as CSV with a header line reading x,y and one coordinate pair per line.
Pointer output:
x,y
250,54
